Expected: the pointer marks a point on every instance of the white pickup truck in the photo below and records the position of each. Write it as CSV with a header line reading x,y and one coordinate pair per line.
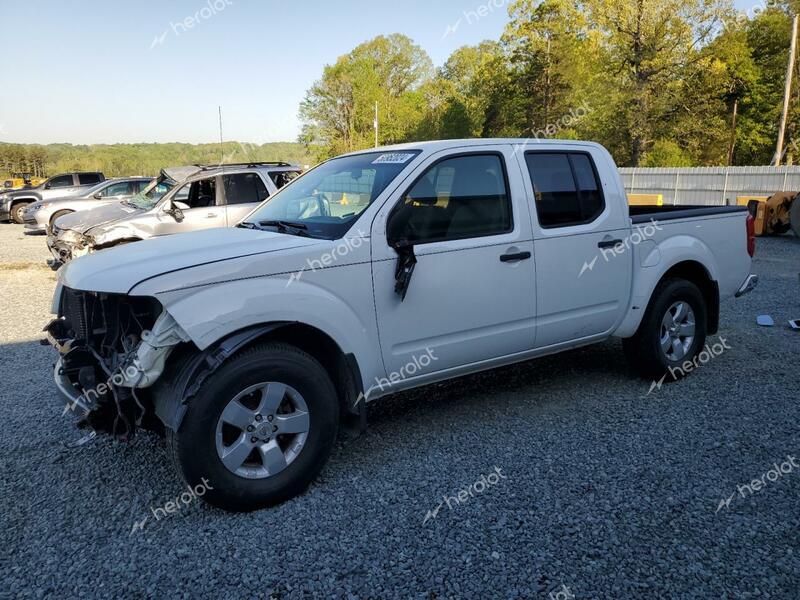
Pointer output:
x,y
375,272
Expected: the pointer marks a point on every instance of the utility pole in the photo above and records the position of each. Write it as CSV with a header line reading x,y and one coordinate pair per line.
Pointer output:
x,y
221,147
375,124
786,93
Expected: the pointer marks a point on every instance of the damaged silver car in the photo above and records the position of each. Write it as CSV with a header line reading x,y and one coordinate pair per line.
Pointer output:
x,y
212,196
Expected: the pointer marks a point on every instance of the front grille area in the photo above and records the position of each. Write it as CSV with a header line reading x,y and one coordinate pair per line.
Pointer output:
x,y
97,334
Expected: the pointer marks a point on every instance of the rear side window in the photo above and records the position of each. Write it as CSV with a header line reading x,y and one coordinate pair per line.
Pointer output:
x,y
461,197
566,188
281,178
89,178
244,188
62,181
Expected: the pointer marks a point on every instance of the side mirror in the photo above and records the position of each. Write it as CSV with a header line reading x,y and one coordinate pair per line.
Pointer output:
x,y
47,186
98,196
175,212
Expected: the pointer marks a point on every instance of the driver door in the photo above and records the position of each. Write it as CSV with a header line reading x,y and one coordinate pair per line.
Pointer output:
x,y
204,208
471,296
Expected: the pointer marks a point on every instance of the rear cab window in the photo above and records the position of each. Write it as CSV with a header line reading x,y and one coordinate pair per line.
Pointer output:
x,y
566,188
89,178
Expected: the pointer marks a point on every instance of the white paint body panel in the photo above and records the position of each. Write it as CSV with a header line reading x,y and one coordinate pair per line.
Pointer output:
x,y
473,310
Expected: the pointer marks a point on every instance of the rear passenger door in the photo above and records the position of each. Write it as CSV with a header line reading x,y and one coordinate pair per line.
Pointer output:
x,y
243,192
471,294
582,283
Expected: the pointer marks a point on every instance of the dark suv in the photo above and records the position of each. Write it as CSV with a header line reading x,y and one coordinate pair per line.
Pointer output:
x,y
13,204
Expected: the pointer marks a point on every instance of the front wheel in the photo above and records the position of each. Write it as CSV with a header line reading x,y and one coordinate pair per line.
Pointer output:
x,y
17,212
672,331
260,429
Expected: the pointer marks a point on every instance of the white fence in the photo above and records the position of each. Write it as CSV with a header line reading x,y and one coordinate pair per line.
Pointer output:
x,y
710,185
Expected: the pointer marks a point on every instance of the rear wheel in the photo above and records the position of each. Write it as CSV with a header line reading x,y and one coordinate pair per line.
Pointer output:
x,y
260,429
673,330
17,211
794,215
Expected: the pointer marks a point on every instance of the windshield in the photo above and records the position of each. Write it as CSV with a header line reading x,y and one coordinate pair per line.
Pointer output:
x,y
327,200
151,195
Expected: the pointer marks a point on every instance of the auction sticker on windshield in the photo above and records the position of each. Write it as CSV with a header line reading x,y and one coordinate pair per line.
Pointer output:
x,y
393,158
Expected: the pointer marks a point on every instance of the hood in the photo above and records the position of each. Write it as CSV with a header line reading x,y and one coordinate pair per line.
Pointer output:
x,y
178,174
119,270
83,220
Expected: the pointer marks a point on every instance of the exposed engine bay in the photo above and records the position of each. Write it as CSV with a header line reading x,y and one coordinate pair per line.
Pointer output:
x,y
113,347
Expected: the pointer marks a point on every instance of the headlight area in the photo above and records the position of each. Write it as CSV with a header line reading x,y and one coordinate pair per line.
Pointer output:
x,y
113,347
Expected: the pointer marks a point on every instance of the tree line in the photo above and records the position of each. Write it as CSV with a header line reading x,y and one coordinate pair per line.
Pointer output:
x,y
658,82
138,159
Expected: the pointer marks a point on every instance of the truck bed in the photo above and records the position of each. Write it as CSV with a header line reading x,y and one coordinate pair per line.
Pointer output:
x,y
644,214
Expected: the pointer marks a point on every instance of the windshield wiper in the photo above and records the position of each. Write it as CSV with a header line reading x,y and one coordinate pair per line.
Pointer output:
x,y
247,225
288,227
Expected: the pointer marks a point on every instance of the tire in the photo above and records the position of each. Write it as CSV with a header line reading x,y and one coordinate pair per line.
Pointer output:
x,y
794,215
16,212
204,436
58,214
644,350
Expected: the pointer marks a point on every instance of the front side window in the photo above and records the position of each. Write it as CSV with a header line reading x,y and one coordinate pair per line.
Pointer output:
x,y
565,187
244,188
117,189
461,197
327,200
198,194
61,181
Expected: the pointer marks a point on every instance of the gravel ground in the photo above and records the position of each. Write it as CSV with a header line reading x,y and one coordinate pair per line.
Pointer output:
x,y
603,490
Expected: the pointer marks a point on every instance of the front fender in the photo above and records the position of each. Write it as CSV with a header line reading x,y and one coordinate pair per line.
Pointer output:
x,y
652,262
210,313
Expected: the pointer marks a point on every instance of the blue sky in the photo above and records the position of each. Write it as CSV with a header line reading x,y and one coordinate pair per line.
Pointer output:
x,y
104,72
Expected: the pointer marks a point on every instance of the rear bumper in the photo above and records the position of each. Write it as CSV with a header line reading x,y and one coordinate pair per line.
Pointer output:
x,y
748,286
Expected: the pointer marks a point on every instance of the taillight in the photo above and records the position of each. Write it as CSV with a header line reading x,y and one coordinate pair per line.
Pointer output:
x,y
751,235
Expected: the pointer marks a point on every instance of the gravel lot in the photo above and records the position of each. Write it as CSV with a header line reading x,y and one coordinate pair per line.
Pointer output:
x,y
606,491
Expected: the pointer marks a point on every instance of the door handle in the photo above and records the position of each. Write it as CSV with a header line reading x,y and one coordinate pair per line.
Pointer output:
x,y
514,256
211,215
608,243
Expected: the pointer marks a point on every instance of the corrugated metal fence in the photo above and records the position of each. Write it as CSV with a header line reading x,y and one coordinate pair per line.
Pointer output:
x,y
710,185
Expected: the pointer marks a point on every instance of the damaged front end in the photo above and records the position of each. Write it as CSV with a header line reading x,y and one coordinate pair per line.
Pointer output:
x,y
112,348
66,245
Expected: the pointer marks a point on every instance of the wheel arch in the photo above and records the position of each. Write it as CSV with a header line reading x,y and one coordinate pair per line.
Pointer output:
x,y
689,269
189,366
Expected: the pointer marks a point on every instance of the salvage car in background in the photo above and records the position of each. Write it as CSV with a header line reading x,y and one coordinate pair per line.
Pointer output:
x,y
41,215
248,344
214,196
13,204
